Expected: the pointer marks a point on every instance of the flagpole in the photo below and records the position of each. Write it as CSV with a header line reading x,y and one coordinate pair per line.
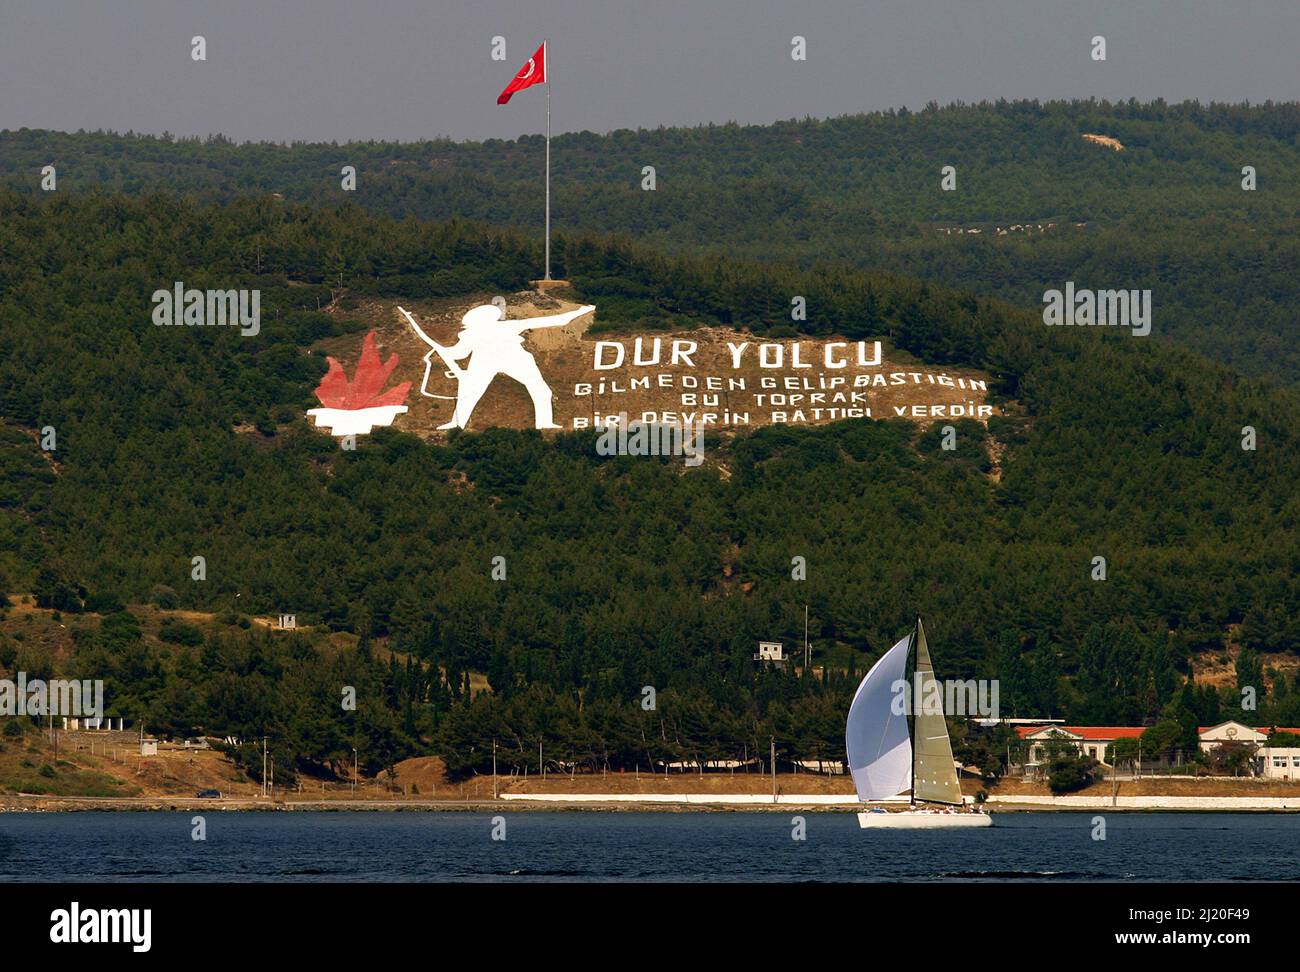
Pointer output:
x,y
546,62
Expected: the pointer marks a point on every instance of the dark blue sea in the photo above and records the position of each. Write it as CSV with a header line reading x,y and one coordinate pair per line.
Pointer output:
x,y
601,846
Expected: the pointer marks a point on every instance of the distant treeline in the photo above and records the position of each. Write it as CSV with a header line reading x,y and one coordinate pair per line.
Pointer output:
x,y
622,572
1167,213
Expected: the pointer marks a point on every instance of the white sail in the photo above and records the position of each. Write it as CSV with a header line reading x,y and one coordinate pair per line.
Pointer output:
x,y
936,776
879,750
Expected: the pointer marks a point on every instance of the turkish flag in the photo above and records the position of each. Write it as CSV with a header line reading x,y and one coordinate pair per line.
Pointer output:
x,y
534,72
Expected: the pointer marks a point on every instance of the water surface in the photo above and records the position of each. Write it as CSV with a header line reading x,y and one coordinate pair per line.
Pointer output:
x,y
618,846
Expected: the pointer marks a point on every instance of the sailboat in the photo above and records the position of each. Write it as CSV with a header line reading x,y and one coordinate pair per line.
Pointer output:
x,y
882,758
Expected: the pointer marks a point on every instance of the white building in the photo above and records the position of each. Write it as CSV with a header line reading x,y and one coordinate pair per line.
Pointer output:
x,y
770,651
1097,741
1211,737
1281,763
93,723
1094,741
831,767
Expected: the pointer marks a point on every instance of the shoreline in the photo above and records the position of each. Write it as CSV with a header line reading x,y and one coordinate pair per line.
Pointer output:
x,y
639,803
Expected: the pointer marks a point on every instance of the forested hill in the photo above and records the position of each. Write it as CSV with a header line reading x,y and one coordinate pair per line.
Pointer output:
x,y
623,572
1168,212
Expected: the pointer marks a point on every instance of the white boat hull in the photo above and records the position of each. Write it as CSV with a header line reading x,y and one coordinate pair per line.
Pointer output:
x,y
922,820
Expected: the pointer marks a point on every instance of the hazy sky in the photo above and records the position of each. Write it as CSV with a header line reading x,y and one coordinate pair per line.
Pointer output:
x,y
326,70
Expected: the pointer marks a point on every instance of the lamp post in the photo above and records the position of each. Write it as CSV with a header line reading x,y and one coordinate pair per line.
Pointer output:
x,y
806,653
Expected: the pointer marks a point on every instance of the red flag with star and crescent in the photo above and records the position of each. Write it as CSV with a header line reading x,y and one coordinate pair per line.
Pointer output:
x,y
534,72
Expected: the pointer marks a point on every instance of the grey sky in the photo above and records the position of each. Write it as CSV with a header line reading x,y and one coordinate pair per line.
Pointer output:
x,y
326,70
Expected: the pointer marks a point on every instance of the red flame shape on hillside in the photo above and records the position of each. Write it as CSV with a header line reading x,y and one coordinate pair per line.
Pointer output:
x,y
335,391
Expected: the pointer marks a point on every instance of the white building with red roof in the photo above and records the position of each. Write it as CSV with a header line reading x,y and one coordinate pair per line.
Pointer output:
x,y
1096,741
1233,731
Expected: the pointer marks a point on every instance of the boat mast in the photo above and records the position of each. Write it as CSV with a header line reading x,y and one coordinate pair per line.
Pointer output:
x,y
912,799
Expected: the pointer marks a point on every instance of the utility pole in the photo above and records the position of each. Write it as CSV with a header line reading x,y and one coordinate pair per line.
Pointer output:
x,y
805,640
354,770
494,769
263,766
772,741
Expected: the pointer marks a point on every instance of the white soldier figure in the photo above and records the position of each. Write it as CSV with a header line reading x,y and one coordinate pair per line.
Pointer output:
x,y
494,346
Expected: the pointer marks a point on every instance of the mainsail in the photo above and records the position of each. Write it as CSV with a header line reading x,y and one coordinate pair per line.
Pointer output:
x,y
936,777
879,750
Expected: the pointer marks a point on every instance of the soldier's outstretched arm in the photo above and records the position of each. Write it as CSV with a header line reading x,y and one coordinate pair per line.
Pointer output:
x,y
555,320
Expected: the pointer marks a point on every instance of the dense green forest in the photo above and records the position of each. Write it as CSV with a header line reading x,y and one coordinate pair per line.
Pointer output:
x,y
622,572
1168,213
